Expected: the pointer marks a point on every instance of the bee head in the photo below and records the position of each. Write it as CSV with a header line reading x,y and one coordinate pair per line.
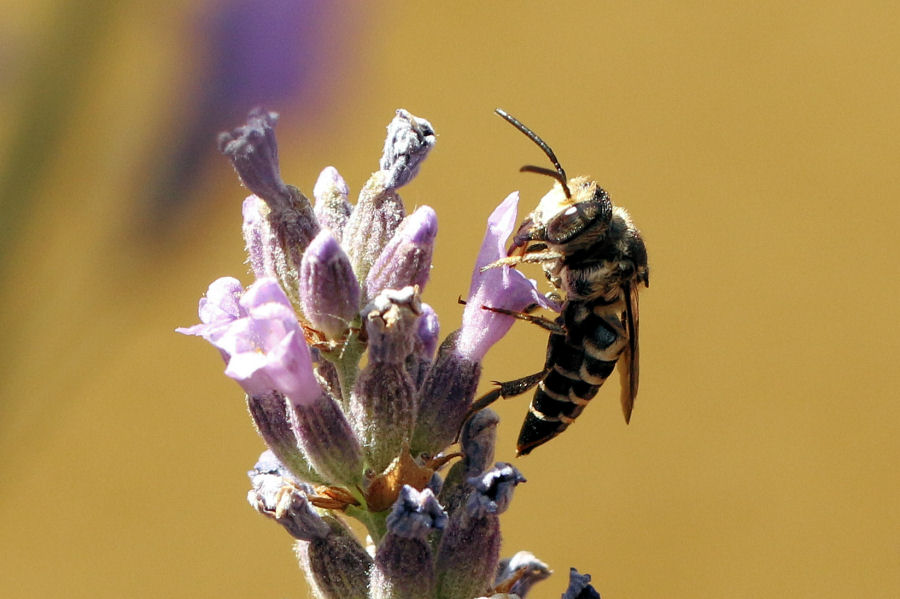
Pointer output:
x,y
574,214
574,222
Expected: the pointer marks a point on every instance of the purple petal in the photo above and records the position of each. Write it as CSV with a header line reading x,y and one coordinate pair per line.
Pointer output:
x,y
218,309
501,287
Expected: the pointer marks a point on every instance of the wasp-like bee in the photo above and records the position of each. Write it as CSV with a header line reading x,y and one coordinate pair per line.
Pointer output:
x,y
595,259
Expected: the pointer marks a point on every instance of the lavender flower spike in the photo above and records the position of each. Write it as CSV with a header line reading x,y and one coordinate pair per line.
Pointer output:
x,y
329,292
404,566
408,142
406,259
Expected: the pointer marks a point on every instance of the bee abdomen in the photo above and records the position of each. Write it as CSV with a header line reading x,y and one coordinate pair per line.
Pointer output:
x,y
578,364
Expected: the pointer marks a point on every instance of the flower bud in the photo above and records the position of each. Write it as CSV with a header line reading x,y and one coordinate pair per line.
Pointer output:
x,y
276,496
469,550
406,259
329,292
409,139
519,573
418,363
270,415
372,223
384,397
260,240
292,224
580,586
446,396
476,439
327,440
404,566
332,208
336,565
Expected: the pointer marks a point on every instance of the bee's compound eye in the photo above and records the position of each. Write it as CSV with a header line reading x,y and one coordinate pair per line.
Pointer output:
x,y
570,222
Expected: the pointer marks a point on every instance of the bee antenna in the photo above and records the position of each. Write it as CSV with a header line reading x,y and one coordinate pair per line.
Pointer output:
x,y
559,174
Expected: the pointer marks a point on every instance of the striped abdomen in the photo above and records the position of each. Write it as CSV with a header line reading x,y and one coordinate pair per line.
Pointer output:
x,y
578,363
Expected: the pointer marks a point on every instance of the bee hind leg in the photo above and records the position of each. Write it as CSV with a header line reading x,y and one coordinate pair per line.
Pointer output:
x,y
504,390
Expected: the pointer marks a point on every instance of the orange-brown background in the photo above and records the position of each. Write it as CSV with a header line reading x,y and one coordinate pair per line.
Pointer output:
x,y
756,146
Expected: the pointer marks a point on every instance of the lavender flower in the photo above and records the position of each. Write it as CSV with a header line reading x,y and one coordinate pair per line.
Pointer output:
x,y
338,284
451,385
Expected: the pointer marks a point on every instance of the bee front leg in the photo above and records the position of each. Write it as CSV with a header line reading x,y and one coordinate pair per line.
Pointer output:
x,y
533,258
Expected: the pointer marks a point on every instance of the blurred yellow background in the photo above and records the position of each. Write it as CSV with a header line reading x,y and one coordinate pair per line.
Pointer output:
x,y
756,146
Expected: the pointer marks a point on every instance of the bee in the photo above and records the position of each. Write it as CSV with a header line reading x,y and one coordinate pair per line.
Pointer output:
x,y
595,260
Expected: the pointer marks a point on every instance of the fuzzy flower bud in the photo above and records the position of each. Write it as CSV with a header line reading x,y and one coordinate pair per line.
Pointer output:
x,y
379,210
406,259
469,550
336,565
383,402
446,396
521,572
276,496
291,223
332,208
476,440
418,363
270,416
372,223
580,586
329,292
260,239
404,567
409,139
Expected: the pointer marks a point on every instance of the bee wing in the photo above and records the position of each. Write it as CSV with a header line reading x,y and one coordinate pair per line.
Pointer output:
x,y
628,362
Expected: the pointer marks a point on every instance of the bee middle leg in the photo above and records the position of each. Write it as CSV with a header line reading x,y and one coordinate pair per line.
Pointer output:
x,y
544,323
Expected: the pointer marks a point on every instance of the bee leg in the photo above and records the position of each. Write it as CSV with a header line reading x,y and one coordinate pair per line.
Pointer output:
x,y
544,323
536,257
504,390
